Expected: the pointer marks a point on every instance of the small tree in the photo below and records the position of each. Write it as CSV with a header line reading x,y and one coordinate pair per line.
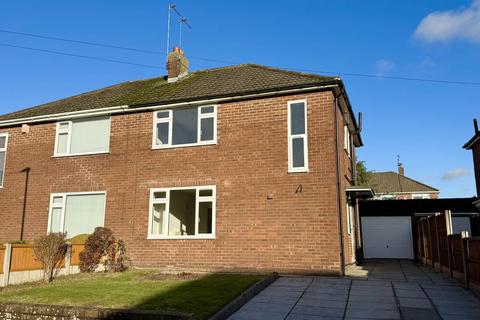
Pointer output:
x,y
363,175
103,244
50,250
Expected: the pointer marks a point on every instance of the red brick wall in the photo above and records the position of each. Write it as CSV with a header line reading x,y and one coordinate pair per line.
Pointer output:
x,y
294,232
476,163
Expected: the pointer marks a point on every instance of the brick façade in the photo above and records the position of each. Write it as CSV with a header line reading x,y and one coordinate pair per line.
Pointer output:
x,y
293,232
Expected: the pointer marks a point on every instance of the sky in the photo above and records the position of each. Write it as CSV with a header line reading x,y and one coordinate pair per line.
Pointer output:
x,y
425,123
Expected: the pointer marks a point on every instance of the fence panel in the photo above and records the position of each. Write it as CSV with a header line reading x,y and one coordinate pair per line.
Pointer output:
x,y
474,259
456,251
433,238
442,239
75,256
2,256
23,258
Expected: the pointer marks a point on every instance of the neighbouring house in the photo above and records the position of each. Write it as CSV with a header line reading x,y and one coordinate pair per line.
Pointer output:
x,y
240,168
396,186
474,145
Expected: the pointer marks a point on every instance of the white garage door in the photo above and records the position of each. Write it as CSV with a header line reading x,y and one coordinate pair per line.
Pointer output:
x,y
387,237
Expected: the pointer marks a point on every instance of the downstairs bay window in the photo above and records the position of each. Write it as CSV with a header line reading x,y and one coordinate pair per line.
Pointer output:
x,y
76,213
185,127
182,213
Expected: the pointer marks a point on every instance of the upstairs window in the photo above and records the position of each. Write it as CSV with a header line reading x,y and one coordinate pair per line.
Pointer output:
x,y
3,156
297,136
347,140
185,127
84,136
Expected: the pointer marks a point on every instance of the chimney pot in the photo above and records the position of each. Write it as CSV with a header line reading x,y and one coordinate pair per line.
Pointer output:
x,y
177,64
401,169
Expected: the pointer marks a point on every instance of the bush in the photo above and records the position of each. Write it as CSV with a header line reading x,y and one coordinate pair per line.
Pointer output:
x,y
50,250
102,244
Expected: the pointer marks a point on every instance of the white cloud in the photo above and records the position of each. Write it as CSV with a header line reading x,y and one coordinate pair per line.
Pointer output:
x,y
462,23
383,67
455,174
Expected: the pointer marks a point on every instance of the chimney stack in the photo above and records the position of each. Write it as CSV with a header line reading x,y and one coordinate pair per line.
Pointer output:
x,y
475,125
177,64
401,169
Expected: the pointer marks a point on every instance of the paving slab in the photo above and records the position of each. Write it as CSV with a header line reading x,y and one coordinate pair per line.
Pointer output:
x,y
381,290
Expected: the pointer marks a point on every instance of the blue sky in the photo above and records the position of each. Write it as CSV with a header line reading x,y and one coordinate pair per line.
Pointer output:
x,y
425,123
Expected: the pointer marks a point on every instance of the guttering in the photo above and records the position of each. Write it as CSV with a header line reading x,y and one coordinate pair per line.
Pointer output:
x,y
128,109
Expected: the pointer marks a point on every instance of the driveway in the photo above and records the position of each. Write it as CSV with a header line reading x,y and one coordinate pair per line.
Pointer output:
x,y
382,289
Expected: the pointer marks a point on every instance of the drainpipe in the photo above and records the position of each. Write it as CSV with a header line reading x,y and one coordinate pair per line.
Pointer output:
x,y
25,192
339,188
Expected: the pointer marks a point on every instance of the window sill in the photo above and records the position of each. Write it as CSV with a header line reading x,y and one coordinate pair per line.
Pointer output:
x,y
298,171
155,147
199,237
80,154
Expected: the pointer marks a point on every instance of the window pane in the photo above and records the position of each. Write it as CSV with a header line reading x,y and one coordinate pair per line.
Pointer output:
x,y
182,213
206,193
163,114
62,143
298,153
63,126
297,114
207,129
2,166
57,200
205,217
3,142
160,195
207,109
56,220
185,126
158,218
83,213
92,135
162,133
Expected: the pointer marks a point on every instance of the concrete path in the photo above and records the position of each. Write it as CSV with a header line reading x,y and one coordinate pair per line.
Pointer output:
x,y
379,290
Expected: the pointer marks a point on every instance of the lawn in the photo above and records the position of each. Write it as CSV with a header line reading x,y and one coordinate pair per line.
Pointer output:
x,y
201,295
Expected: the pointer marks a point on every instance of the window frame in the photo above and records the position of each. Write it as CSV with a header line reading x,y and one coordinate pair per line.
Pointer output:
x,y
64,196
69,131
349,219
4,134
347,140
291,168
420,196
169,120
212,198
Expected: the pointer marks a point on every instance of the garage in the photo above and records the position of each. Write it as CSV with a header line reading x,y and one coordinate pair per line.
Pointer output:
x,y
389,227
387,237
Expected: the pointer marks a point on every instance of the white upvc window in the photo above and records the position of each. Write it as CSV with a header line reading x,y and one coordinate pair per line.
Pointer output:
x,y
297,136
185,127
182,213
82,137
3,156
420,196
76,212
347,140
349,218
387,197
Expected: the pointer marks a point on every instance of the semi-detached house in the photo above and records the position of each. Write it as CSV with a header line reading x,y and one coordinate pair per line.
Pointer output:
x,y
241,168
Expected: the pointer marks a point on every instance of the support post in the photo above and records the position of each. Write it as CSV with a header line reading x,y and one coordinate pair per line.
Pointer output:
x,y
465,259
6,264
448,224
68,258
438,242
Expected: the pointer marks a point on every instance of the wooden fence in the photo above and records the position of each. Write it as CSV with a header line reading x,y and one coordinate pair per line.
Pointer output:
x,y
18,261
458,254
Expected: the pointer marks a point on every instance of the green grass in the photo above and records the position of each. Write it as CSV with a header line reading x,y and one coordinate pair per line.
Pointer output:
x,y
137,289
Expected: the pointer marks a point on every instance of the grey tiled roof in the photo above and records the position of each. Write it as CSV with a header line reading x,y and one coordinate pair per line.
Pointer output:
x,y
391,182
204,84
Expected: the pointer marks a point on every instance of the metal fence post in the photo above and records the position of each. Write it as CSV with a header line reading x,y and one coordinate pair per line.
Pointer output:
x,y
465,258
6,264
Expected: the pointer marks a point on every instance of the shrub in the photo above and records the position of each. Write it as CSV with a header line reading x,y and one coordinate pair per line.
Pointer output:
x,y
50,250
103,244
